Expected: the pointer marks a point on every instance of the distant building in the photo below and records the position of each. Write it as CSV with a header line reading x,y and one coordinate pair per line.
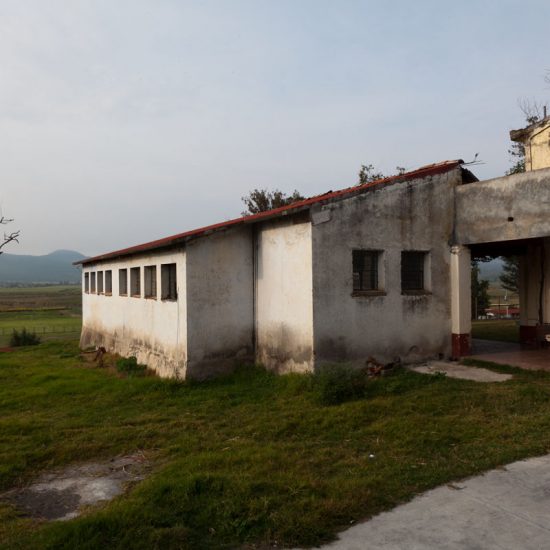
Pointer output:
x,y
379,270
535,138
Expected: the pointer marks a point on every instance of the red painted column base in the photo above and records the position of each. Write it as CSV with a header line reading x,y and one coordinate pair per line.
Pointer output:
x,y
528,335
461,345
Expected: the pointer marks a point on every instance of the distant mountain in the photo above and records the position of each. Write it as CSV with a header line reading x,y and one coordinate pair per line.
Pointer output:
x,y
490,271
52,268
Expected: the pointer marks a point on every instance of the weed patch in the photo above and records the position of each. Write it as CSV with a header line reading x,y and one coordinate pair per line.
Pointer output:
x,y
335,384
130,367
23,338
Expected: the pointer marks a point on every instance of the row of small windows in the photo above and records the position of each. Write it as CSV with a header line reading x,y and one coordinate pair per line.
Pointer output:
x,y
101,282
367,268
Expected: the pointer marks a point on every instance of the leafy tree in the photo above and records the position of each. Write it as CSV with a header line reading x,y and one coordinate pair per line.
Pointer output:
x,y
509,278
517,157
480,292
261,200
368,173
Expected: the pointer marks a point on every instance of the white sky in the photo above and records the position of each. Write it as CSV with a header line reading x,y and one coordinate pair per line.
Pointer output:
x,y
124,121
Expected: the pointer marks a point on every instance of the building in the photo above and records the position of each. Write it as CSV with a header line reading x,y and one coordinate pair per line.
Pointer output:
x,y
379,270
535,139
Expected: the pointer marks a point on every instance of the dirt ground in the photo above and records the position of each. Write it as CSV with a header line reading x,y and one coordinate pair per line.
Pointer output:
x,y
63,494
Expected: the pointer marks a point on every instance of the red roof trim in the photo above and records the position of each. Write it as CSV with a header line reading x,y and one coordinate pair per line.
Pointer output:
x,y
429,170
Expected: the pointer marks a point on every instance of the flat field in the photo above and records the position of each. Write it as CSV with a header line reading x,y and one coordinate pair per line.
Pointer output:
x,y
50,311
503,330
252,460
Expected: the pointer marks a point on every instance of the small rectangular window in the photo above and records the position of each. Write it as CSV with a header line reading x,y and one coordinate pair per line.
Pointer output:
x,y
86,283
92,282
123,282
169,289
100,282
135,282
412,271
365,270
150,272
108,282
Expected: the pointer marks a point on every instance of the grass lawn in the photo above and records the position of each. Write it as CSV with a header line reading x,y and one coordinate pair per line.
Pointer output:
x,y
253,458
503,330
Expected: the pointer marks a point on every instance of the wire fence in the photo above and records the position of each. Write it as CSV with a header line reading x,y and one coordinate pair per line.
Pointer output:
x,y
44,332
46,329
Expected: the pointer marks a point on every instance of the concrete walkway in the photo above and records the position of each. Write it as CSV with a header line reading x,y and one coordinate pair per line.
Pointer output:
x,y
506,353
507,508
456,370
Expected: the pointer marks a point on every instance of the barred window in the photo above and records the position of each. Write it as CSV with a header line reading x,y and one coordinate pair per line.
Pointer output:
x,y
100,282
123,282
365,269
151,281
412,271
169,290
135,282
86,282
108,282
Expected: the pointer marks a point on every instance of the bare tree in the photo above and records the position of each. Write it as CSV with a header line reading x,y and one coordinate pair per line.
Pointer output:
x,y
8,237
532,109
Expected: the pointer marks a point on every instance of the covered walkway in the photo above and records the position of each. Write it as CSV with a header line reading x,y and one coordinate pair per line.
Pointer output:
x,y
507,353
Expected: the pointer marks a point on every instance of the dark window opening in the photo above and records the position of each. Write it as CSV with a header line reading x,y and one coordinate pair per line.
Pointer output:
x,y
135,282
86,282
123,282
412,271
169,289
150,281
92,282
365,269
109,282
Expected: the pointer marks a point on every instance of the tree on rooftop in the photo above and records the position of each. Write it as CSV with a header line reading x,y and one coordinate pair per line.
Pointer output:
x,y
8,237
368,173
261,200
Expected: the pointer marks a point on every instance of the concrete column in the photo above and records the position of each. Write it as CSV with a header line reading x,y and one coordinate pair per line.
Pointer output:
x,y
546,282
529,294
461,312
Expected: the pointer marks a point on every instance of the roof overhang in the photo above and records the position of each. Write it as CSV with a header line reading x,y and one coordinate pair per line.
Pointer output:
x,y
181,238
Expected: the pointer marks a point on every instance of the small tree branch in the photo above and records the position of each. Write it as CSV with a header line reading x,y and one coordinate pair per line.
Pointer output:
x,y
12,237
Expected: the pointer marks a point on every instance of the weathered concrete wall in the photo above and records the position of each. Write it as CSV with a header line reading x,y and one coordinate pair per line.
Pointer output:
x,y
220,302
537,149
416,215
154,331
507,208
284,306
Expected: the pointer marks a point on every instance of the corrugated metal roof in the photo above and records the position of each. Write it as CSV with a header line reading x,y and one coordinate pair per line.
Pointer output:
x,y
180,238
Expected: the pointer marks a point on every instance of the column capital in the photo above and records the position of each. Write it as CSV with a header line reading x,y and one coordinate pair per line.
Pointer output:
x,y
459,249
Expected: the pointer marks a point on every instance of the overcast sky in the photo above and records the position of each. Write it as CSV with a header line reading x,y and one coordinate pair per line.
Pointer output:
x,y
125,121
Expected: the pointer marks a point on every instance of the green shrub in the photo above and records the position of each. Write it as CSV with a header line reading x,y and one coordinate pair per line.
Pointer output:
x,y
334,384
130,366
23,338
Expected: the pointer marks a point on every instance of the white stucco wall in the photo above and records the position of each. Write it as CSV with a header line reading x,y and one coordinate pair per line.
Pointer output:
x,y
415,215
284,304
153,330
220,302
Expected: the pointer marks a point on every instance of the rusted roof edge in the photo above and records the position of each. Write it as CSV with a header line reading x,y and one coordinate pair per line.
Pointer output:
x,y
181,238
